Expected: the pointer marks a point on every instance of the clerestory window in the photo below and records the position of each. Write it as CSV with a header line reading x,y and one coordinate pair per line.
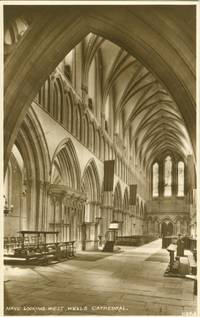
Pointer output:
x,y
168,177
155,180
180,178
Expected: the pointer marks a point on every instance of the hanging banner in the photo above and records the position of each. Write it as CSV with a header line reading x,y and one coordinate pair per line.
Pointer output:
x,y
190,176
108,175
133,194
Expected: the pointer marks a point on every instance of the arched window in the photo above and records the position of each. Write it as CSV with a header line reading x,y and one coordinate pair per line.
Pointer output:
x,y
168,177
91,136
78,123
86,131
107,114
180,178
92,87
55,102
97,143
68,65
155,179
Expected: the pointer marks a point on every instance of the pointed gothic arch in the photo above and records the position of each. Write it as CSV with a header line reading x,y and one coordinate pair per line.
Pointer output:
x,y
68,111
32,147
91,181
78,121
66,158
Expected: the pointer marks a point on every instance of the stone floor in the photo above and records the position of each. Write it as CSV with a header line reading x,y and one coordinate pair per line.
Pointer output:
x,y
130,282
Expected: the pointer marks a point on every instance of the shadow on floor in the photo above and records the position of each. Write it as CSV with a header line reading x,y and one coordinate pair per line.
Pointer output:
x,y
91,257
158,257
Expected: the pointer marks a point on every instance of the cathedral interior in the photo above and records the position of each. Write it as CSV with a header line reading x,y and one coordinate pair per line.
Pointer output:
x,y
99,147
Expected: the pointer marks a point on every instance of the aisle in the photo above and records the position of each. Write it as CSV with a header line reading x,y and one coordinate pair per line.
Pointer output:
x,y
126,283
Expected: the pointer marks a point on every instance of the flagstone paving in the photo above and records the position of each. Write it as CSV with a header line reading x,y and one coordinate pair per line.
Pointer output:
x,y
125,283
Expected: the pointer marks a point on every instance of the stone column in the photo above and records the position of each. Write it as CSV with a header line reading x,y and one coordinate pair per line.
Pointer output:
x,y
80,221
91,225
23,219
77,71
107,213
55,218
51,216
133,220
42,189
30,196
98,222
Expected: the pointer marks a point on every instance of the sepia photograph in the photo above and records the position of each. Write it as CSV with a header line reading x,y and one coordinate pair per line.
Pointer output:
x,y
100,159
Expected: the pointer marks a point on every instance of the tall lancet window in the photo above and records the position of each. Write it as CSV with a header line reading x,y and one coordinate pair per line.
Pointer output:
x,y
168,177
107,114
155,179
180,178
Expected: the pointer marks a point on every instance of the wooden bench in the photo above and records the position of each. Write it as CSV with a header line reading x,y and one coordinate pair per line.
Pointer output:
x,y
184,265
193,271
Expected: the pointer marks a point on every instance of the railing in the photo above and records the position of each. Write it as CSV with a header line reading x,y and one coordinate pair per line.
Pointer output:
x,y
135,240
18,249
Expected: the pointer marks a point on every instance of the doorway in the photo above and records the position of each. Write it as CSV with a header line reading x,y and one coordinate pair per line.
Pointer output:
x,y
167,228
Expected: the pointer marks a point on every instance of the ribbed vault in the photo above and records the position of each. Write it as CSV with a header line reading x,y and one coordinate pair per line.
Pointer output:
x,y
150,69
147,111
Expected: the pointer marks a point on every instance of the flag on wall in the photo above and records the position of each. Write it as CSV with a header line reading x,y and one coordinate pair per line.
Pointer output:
x,y
133,194
108,175
191,177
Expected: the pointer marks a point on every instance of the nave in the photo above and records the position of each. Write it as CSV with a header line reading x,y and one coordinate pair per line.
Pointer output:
x,y
129,282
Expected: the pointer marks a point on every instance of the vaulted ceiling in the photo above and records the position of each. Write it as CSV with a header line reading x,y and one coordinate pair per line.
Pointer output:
x,y
150,115
151,71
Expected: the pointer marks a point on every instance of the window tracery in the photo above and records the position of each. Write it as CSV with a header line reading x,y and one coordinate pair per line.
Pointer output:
x,y
168,177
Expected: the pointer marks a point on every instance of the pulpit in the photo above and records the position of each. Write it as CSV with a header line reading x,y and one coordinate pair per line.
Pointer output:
x,y
111,237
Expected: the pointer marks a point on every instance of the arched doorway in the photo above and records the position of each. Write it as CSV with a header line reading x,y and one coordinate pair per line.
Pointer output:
x,y
167,228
